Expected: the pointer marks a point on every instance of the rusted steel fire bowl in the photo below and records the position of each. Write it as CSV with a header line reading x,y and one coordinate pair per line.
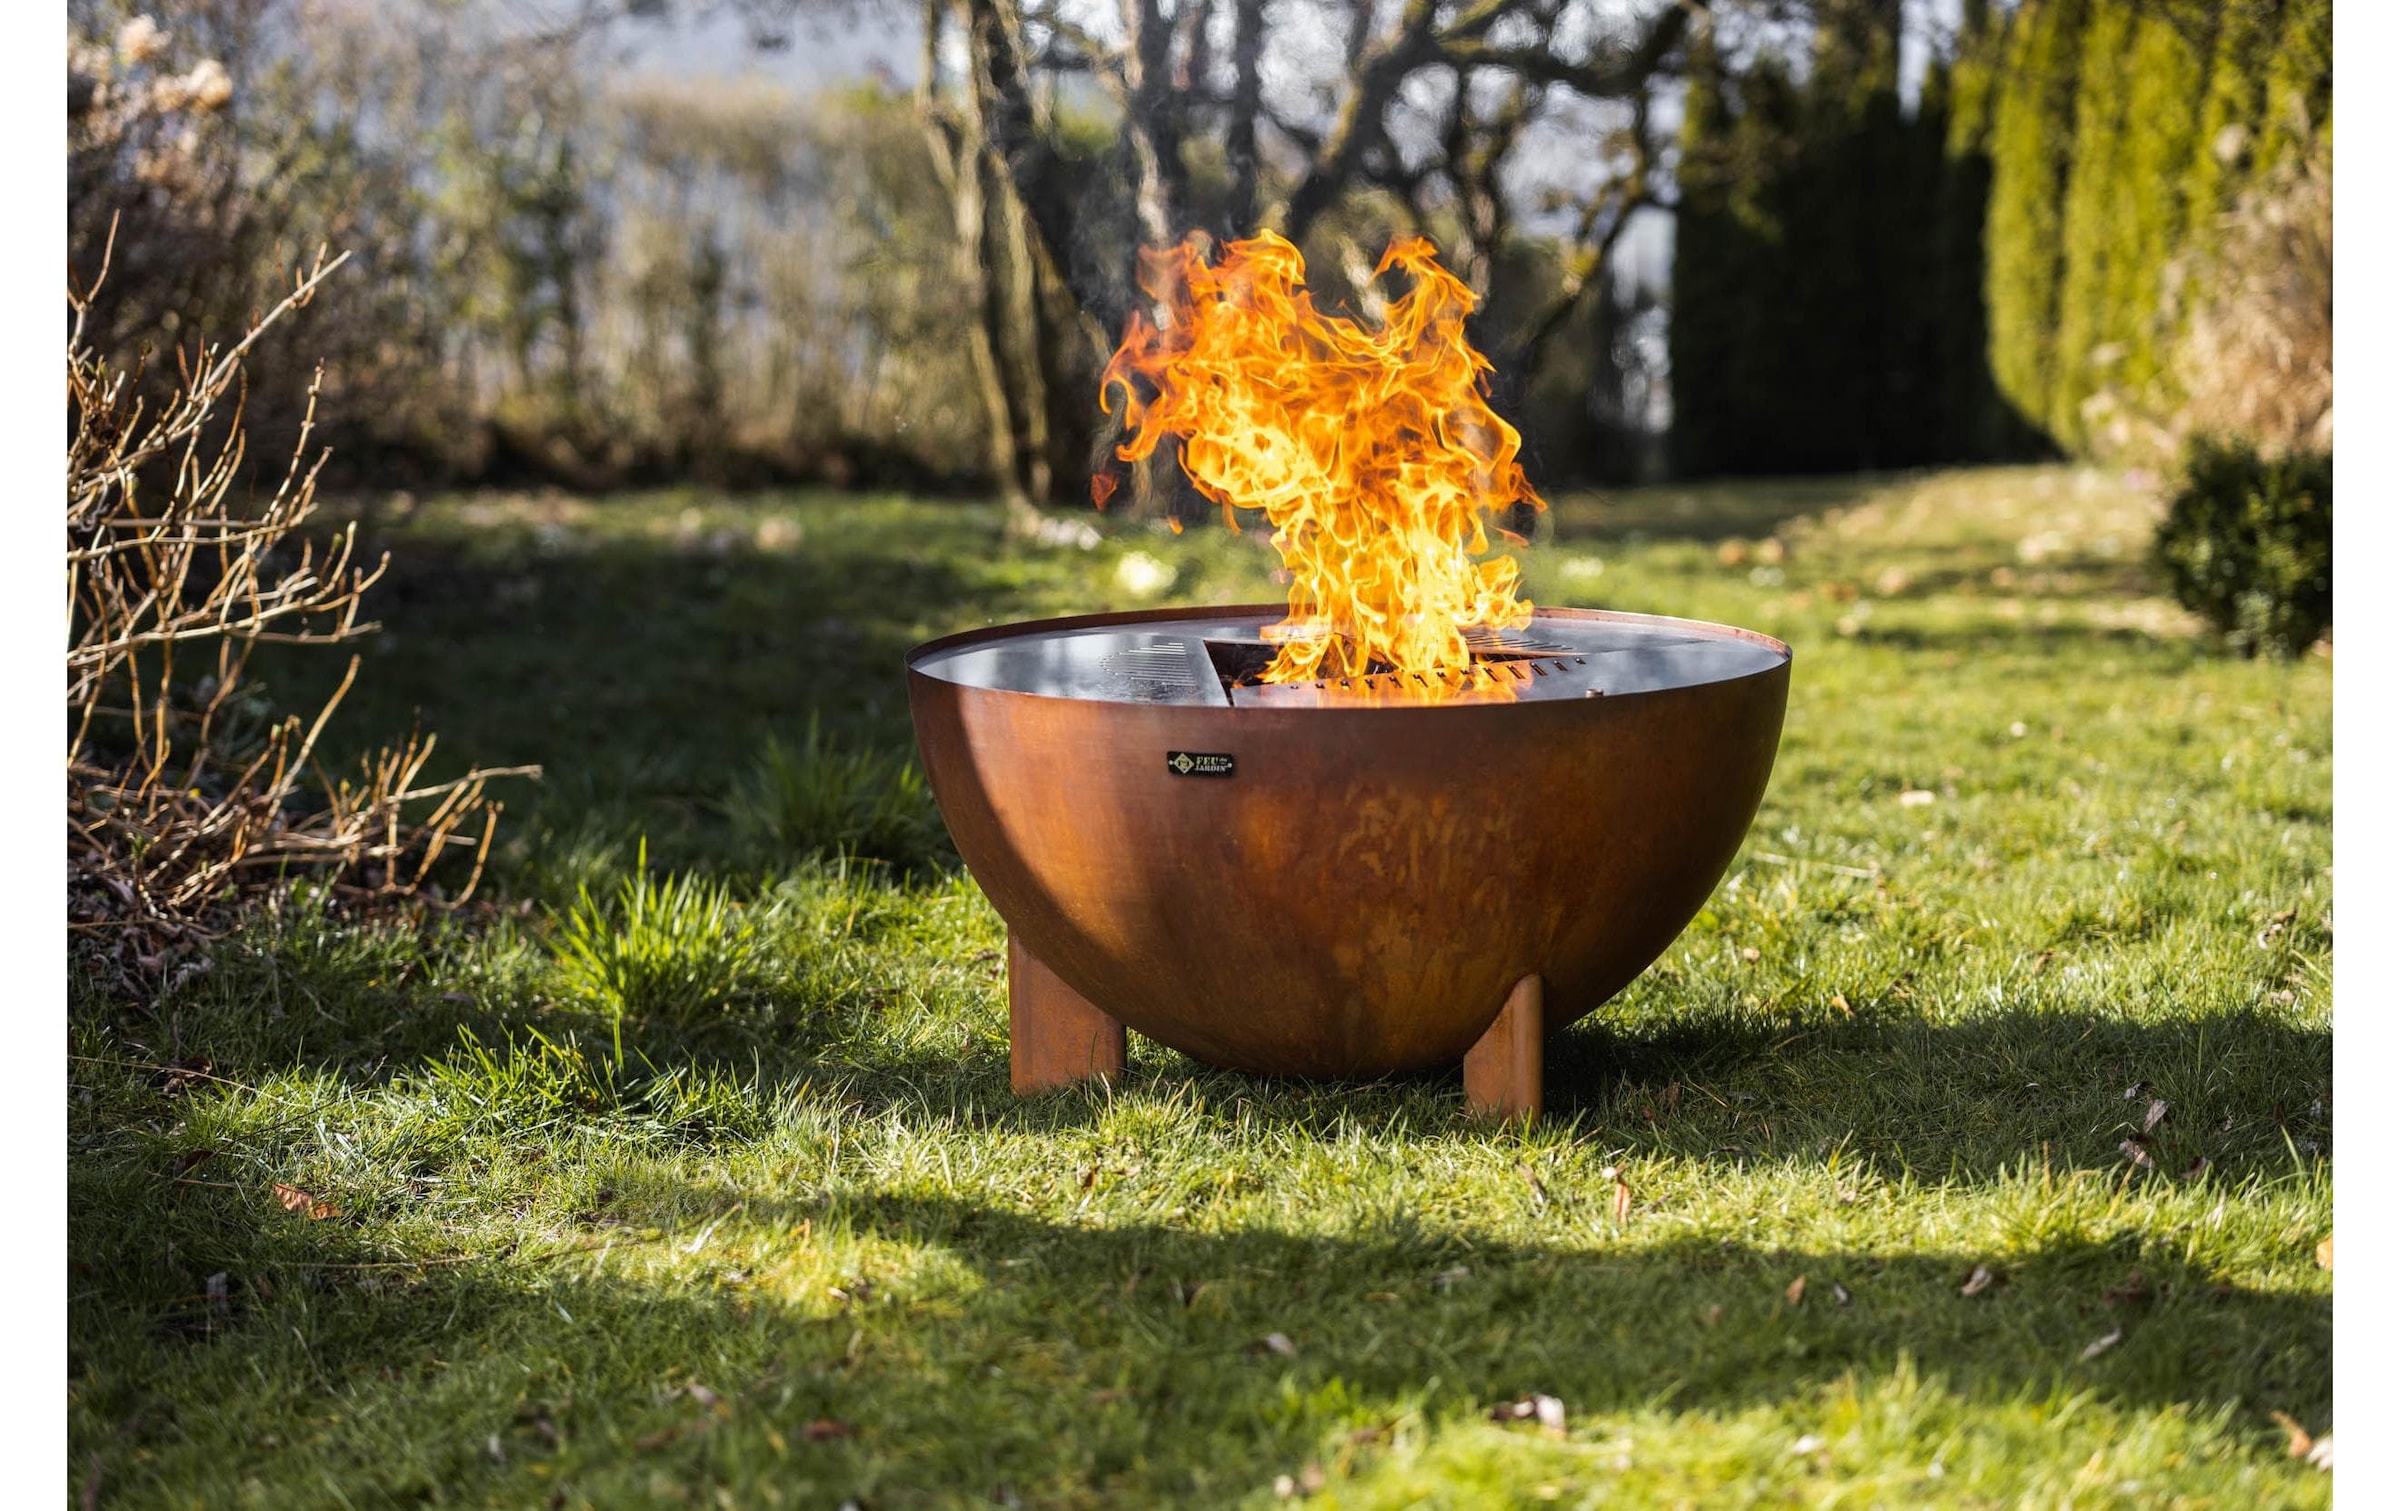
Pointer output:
x,y
1296,882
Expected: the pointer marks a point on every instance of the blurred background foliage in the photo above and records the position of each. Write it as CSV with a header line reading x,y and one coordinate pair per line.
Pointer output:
x,y
1719,236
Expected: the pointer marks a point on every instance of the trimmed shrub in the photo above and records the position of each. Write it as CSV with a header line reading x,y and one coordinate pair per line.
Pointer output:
x,y
2248,544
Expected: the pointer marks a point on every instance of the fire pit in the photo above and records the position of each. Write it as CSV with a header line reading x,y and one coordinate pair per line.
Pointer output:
x,y
1341,878
1408,818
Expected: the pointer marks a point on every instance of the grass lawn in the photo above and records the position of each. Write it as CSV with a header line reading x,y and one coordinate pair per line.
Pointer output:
x,y
701,1183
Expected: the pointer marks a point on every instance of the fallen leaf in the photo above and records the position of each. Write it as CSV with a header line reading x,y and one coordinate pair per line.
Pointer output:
x,y
1549,1411
296,1200
2136,1090
1979,1280
182,1073
1841,1294
1797,1289
2322,1454
2136,1153
190,1160
1285,1487
2325,1252
1915,797
1622,1205
2298,1441
1277,1343
651,1442
220,1300
2103,1344
1750,954
2157,1113
1541,1197
1843,1003
2197,1168
1716,1314
2133,1290
701,1393
828,1430
1451,1276
1809,1444
1312,1479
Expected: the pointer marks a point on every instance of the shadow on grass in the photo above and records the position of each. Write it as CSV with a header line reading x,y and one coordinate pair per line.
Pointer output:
x,y
1903,1093
981,1349
642,676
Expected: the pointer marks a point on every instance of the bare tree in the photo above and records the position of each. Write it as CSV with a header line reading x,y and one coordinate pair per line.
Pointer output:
x,y
1431,102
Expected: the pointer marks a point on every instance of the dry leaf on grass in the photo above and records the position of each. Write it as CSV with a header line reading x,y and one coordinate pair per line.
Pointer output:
x,y
1541,1196
2134,1290
1621,1205
2103,1344
296,1200
2136,1153
2325,1252
1309,1481
2155,1115
178,1074
1841,1294
1277,1343
828,1430
1549,1411
2298,1441
1980,1279
1797,1289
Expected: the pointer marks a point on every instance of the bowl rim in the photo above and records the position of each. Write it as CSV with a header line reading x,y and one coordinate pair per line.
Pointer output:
x,y
1068,622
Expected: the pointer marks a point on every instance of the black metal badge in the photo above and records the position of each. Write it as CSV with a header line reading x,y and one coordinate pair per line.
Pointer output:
x,y
1199,763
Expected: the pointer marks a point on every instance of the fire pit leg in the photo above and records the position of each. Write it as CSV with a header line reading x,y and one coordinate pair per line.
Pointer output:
x,y
1504,1069
1055,1037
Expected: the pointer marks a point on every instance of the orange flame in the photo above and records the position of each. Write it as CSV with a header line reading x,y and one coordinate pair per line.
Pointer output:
x,y
1372,452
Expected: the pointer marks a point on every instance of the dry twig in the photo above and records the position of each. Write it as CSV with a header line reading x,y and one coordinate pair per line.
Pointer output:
x,y
174,804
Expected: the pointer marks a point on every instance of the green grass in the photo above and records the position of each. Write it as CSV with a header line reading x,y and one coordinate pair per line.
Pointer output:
x,y
699,1182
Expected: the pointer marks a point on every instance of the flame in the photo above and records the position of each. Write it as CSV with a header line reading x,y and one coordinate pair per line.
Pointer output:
x,y
1372,452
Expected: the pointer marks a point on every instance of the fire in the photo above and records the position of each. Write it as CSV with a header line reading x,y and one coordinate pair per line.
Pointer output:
x,y
1372,452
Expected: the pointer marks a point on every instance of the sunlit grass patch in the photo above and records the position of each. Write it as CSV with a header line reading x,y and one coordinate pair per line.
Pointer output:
x,y
690,1171
670,948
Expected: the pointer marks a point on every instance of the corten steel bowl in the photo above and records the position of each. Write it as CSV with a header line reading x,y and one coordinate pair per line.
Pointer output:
x,y
1297,882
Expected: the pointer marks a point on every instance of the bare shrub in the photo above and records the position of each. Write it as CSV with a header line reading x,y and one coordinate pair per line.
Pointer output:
x,y
184,795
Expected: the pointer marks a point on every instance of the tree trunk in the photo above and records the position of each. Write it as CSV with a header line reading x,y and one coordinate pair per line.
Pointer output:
x,y
955,142
1241,131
